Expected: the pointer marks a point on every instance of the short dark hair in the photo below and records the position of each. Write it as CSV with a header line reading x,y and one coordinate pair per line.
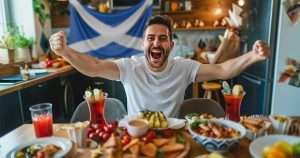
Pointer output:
x,y
161,20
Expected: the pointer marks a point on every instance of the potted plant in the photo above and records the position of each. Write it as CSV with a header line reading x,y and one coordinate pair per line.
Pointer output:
x,y
7,47
23,46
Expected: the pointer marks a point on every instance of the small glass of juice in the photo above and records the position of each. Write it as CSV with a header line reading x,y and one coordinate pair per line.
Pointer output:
x,y
41,115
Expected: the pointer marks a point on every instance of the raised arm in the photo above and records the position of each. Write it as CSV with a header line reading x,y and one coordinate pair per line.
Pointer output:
x,y
85,64
228,49
233,67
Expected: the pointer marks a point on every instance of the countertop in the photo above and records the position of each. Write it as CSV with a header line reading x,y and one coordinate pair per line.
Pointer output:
x,y
53,73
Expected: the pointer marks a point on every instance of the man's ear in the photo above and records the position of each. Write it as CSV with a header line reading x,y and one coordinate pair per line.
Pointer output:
x,y
172,44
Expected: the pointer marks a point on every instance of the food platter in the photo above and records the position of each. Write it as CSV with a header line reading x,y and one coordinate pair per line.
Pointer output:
x,y
63,143
176,146
257,146
173,123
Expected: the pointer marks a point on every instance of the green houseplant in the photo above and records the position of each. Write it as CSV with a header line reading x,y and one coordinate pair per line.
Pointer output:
x,y
23,47
7,47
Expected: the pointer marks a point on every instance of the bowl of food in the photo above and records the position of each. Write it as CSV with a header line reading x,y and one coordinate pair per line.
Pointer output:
x,y
196,116
275,146
217,135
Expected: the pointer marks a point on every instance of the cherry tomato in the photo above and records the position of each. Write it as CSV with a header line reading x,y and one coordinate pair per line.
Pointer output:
x,y
92,135
94,126
125,139
97,131
101,126
167,133
49,63
40,154
105,136
107,129
151,135
90,130
100,134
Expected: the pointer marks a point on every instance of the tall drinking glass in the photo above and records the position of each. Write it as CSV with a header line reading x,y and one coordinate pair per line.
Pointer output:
x,y
233,106
42,120
96,108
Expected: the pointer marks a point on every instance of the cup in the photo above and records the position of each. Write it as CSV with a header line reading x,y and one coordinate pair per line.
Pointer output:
x,y
41,115
233,106
137,127
281,124
77,133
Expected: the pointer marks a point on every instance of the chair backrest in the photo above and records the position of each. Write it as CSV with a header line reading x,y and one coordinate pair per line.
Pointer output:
x,y
114,110
201,105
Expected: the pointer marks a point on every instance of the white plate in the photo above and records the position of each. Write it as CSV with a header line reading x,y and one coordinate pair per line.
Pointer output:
x,y
257,146
64,143
173,123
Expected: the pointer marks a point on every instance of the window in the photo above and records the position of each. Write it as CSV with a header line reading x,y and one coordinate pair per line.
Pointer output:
x,y
3,22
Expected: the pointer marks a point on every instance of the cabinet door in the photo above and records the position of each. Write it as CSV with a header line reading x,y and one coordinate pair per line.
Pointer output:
x,y
34,95
254,99
10,113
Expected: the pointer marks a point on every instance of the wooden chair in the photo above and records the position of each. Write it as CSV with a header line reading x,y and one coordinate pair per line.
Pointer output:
x,y
114,110
201,105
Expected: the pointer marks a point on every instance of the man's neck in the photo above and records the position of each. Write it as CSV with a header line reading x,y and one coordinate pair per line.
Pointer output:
x,y
160,69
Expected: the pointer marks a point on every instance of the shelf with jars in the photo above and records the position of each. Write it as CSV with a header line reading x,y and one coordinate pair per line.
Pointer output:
x,y
197,14
198,24
207,28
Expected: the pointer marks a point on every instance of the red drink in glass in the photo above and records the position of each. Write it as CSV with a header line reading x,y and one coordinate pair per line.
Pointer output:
x,y
232,108
97,111
41,115
43,125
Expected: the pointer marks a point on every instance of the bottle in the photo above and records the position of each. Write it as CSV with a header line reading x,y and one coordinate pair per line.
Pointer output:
x,y
167,6
188,5
182,5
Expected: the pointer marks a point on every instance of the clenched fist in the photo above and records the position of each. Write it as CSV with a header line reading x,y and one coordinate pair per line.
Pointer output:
x,y
58,43
261,50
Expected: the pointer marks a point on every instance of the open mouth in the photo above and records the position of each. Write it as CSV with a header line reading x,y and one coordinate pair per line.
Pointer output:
x,y
156,54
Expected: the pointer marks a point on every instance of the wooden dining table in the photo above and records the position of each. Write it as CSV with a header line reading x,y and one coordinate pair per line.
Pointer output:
x,y
25,133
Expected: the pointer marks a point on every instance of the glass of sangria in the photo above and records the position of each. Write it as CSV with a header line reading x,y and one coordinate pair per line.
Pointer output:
x,y
41,115
96,102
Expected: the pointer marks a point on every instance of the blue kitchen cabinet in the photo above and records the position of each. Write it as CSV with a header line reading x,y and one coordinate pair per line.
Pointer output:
x,y
10,113
50,91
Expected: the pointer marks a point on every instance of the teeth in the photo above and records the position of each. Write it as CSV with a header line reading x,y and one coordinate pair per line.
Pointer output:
x,y
156,51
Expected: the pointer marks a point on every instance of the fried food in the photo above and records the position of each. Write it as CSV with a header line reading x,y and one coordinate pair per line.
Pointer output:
x,y
214,130
149,149
252,123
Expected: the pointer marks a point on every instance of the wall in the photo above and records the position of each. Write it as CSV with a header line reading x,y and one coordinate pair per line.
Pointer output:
x,y
22,15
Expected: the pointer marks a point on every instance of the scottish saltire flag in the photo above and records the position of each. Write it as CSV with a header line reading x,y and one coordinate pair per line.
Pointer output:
x,y
108,35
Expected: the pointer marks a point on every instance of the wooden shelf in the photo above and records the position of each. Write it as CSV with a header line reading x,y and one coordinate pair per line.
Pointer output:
x,y
175,12
200,29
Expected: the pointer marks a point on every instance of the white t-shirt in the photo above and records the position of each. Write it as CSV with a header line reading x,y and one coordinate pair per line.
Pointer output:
x,y
156,91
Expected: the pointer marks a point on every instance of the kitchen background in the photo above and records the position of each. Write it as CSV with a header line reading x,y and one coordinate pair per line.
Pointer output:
x,y
194,20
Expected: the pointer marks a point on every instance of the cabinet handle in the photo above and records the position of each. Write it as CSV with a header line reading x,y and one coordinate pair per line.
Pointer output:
x,y
252,80
40,85
68,97
98,83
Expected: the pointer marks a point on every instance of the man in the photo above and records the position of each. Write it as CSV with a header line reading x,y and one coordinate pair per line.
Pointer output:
x,y
153,81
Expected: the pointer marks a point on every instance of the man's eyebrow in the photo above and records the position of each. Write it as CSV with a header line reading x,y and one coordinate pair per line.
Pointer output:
x,y
163,35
